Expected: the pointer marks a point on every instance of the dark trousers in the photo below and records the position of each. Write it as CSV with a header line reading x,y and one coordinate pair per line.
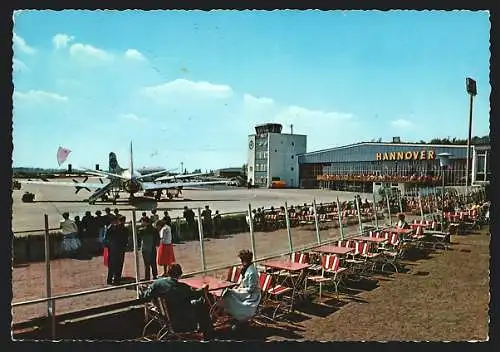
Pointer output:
x,y
203,316
149,258
187,318
115,265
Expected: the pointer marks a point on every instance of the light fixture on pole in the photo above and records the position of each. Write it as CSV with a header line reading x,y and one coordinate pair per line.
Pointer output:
x,y
472,91
444,161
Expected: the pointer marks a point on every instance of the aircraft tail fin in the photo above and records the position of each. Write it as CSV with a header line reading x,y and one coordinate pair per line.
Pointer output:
x,y
113,164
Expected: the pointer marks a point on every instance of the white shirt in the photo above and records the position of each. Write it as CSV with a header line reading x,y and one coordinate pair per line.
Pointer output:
x,y
166,235
68,226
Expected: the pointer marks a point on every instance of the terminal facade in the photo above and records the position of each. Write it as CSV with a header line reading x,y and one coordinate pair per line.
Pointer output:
x,y
361,167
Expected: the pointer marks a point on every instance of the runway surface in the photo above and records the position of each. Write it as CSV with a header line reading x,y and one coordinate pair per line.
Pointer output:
x,y
54,200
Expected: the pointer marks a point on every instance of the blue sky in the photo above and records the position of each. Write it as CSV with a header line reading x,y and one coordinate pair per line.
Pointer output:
x,y
189,86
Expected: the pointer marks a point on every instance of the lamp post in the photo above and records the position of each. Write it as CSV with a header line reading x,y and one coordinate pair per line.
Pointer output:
x,y
472,91
444,161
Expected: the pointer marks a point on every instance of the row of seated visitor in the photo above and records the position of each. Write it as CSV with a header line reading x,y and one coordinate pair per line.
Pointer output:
x,y
375,178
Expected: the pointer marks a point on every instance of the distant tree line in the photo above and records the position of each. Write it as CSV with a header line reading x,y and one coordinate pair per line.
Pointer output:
x,y
448,141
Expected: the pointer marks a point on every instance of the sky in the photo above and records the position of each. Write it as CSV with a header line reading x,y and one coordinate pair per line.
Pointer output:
x,y
190,86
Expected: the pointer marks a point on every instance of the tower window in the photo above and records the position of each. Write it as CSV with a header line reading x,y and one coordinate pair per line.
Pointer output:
x,y
292,169
293,156
293,144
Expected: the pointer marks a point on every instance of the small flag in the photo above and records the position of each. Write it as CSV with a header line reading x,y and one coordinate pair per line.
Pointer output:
x,y
62,155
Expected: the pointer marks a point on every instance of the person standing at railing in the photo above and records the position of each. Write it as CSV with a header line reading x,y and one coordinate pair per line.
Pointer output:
x,y
166,249
150,240
154,217
116,241
217,221
71,244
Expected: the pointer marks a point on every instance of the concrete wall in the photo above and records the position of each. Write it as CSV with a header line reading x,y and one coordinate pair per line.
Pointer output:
x,y
283,161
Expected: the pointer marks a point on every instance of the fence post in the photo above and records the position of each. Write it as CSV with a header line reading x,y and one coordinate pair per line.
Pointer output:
x,y
287,220
202,247
388,208
420,205
356,199
136,252
51,307
250,224
341,228
318,237
399,200
375,210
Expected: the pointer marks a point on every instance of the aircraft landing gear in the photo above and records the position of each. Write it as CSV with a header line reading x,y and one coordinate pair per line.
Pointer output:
x,y
158,196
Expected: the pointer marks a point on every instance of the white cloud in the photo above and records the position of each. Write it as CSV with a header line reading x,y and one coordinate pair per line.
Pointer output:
x,y
21,45
39,96
401,123
134,54
251,100
61,40
86,50
186,87
131,117
297,112
18,65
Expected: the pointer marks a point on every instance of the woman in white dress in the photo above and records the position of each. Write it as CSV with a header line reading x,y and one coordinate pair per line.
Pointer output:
x,y
242,302
71,243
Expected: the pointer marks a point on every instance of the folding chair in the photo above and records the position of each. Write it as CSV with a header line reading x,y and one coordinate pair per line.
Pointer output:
x,y
271,294
330,265
157,312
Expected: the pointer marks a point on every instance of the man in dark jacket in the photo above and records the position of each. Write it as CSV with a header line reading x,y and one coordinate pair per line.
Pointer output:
x,y
116,240
186,306
206,215
191,225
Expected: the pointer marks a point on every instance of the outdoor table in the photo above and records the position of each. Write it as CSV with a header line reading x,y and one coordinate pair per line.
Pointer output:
x,y
330,249
292,267
415,226
400,231
214,284
369,239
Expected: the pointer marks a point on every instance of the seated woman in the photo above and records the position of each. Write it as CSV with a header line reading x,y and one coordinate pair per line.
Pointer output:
x,y
241,302
402,224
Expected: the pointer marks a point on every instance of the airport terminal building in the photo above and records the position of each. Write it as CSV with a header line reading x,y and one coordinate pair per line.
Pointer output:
x,y
363,166
274,156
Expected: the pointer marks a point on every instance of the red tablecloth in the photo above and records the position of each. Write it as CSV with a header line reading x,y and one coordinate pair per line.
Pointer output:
x,y
333,249
285,265
369,239
212,282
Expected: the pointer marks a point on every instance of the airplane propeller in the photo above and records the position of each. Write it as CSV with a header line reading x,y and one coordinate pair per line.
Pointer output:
x,y
79,188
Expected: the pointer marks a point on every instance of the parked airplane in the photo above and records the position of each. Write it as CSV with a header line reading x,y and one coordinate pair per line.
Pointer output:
x,y
129,181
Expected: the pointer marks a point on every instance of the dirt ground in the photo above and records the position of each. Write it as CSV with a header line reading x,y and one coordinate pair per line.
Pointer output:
x,y
442,297
76,275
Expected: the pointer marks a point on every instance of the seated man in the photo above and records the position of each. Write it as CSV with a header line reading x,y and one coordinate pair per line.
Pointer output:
x,y
186,306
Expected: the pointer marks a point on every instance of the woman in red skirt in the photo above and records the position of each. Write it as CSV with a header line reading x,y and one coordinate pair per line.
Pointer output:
x,y
166,249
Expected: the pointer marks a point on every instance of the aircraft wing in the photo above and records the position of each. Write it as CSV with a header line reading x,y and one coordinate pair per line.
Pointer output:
x,y
65,184
150,186
154,174
174,177
103,174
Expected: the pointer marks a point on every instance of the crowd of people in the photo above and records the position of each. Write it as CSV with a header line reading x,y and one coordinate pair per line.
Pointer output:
x,y
155,236
380,178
